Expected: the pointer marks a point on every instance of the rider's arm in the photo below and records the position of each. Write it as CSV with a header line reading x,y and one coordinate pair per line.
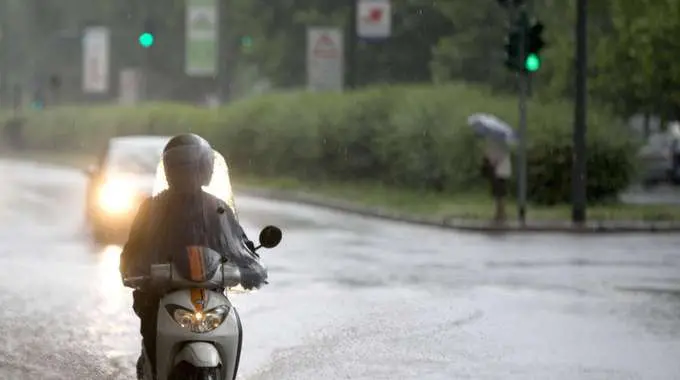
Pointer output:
x,y
253,273
136,239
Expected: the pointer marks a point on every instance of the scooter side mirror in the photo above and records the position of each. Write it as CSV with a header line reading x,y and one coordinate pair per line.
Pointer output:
x,y
270,237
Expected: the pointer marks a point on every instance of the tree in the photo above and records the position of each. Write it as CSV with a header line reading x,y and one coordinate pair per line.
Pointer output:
x,y
637,64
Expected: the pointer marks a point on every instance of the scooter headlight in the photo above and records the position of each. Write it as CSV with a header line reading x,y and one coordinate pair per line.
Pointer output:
x,y
199,321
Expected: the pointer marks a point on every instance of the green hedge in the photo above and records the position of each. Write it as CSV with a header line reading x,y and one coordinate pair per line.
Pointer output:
x,y
407,136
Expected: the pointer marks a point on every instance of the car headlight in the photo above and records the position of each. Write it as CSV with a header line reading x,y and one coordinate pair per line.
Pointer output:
x,y
116,197
199,321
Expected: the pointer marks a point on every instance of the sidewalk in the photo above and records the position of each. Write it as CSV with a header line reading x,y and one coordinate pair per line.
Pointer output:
x,y
465,224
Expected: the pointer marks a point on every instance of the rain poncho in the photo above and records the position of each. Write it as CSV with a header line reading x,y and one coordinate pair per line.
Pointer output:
x,y
188,214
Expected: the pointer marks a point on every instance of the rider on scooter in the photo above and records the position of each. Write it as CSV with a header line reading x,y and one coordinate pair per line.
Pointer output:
x,y
181,216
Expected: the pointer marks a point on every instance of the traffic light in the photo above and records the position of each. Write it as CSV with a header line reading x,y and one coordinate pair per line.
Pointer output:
x,y
534,45
246,41
530,61
512,43
147,37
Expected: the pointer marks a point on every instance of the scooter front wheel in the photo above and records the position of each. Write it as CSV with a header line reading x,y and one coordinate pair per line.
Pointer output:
x,y
206,374
186,371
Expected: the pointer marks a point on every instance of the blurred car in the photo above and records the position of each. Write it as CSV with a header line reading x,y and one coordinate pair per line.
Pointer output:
x,y
123,176
655,158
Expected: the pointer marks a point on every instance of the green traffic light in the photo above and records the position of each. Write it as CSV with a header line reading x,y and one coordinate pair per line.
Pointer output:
x,y
246,41
532,63
146,39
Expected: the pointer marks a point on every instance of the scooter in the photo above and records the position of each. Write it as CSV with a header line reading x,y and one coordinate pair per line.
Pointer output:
x,y
199,333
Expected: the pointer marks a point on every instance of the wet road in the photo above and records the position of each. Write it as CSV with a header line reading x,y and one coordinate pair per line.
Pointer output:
x,y
350,298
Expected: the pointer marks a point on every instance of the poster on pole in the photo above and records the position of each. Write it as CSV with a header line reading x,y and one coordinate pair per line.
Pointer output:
x,y
96,45
374,19
201,38
325,59
130,86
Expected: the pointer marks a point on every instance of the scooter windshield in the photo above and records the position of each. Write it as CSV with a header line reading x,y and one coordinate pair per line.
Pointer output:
x,y
219,183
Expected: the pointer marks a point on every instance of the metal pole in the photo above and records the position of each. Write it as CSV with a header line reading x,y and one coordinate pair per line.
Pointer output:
x,y
144,90
579,155
351,37
4,52
522,154
17,96
225,50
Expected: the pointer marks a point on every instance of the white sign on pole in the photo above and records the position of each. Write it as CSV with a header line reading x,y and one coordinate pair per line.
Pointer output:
x,y
325,59
96,45
374,19
201,38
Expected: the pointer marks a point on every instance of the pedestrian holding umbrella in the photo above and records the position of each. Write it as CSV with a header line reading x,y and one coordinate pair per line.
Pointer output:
x,y
497,164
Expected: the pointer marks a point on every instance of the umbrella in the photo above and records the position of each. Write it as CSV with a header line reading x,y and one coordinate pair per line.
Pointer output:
x,y
492,127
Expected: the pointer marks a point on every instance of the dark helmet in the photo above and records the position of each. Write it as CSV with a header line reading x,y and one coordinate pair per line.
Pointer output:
x,y
188,160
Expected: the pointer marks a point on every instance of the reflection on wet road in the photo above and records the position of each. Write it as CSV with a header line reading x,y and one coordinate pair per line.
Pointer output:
x,y
350,298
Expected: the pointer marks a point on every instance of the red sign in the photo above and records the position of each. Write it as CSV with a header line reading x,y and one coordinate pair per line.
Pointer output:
x,y
374,18
374,15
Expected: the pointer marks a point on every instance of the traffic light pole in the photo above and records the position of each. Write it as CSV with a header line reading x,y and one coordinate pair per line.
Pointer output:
x,y
227,51
523,78
522,154
578,174
144,90
4,53
351,46
522,50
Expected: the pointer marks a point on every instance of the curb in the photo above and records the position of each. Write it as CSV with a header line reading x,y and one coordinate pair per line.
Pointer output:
x,y
591,227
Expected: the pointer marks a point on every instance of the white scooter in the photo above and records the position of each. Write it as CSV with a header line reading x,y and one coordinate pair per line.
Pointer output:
x,y
199,332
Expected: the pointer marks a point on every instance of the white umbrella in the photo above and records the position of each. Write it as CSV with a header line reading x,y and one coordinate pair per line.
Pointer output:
x,y
492,127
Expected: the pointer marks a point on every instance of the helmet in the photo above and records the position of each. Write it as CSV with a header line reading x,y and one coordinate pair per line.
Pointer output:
x,y
188,161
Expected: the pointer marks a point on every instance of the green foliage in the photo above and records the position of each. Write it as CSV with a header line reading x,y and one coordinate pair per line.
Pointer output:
x,y
632,45
610,162
411,137
637,61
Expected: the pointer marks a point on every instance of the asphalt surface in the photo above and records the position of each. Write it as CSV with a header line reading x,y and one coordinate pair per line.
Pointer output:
x,y
350,298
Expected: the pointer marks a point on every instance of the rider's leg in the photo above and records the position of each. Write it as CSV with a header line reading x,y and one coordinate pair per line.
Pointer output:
x,y
140,367
146,307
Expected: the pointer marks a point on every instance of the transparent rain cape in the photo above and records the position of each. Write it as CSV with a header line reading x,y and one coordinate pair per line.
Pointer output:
x,y
220,182
197,210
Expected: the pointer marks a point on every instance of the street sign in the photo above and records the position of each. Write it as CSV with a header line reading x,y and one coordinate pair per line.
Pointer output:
x,y
201,38
96,45
325,59
374,19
